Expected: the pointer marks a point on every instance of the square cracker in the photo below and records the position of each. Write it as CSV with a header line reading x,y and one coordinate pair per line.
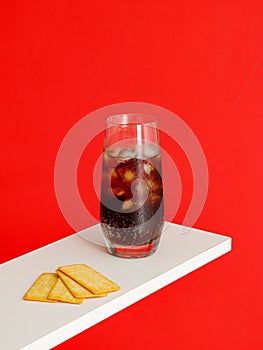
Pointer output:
x,y
89,278
41,287
61,293
76,289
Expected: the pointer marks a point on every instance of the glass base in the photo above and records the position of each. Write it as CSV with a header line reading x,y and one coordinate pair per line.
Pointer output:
x,y
130,252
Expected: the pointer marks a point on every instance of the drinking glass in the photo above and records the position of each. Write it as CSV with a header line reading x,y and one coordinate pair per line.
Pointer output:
x,y
131,208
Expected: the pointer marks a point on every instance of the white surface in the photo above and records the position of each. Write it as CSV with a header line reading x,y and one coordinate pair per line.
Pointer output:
x,y
35,325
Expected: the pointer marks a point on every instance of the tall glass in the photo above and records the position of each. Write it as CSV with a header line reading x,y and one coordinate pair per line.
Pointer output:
x,y
131,210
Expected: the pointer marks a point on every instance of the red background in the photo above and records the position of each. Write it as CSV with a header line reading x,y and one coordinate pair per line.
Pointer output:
x,y
202,60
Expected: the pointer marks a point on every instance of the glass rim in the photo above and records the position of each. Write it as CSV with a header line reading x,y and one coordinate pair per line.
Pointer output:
x,y
123,119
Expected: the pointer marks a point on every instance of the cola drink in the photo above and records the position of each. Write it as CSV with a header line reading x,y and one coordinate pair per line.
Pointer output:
x,y
131,209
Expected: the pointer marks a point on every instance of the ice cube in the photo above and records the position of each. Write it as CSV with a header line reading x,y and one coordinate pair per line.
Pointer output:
x,y
151,151
153,184
155,198
129,176
139,191
147,167
127,205
113,151
140,187
126,153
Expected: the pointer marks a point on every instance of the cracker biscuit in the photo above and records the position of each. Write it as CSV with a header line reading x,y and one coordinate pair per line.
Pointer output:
x,y
61,293
76,289
89,278
41,287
